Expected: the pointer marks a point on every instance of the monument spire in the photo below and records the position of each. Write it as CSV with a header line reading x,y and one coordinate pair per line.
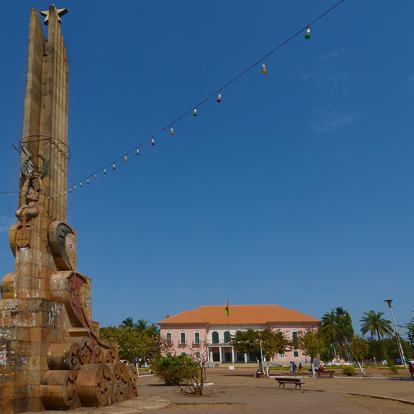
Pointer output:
x,y
60,13
50,352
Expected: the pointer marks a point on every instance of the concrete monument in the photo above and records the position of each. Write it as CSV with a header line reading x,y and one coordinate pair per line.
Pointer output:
x,y
51,356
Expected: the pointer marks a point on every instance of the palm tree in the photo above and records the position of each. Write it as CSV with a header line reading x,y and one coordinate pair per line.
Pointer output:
x,y
344,322
127,323
336,328
374,323
329,327
141,325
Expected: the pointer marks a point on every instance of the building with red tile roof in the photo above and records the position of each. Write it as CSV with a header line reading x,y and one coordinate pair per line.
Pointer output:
x,y
212,328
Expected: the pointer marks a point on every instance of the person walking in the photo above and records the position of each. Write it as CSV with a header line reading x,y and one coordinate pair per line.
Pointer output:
x,y
411,369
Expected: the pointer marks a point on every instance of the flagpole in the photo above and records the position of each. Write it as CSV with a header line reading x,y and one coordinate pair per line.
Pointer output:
x,y
228,314
228,327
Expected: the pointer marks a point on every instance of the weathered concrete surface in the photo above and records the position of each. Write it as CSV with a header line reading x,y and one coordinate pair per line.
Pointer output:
x,y
134,406
238,392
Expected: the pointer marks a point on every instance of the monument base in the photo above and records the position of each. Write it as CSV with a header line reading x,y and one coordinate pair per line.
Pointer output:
x,y
46,363
27,329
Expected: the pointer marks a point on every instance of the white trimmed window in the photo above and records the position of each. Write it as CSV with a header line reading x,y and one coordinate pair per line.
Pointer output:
x,y
215,337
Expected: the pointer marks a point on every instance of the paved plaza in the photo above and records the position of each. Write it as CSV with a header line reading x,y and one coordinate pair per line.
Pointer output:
x,y
239,392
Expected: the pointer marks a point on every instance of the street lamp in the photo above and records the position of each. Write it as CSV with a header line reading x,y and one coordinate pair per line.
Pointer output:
x,y
396,332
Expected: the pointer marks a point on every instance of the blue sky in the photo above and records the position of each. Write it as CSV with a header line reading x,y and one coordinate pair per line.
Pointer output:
x,y
296,189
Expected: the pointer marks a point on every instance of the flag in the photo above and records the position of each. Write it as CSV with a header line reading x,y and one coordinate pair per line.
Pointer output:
x,y
226,309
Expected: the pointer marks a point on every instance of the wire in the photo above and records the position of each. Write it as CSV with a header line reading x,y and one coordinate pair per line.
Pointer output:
x,y
216,91
91,177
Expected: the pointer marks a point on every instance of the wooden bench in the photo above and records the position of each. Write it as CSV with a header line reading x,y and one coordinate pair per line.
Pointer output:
x,y
325,374
289,380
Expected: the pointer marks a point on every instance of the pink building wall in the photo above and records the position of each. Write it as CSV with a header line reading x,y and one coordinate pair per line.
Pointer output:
x,y
189,330
205,332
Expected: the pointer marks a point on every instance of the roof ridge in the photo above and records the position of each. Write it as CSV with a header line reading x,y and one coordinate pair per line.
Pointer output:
x,y
241,314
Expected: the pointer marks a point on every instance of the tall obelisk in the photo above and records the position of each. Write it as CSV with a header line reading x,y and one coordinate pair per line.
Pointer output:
x,y
50,352
44,159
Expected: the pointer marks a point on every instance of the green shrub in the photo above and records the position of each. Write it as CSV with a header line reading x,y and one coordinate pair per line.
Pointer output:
x,y
393,368
348,370
174,370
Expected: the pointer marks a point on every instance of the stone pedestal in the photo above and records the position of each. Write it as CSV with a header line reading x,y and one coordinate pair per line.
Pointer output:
x,y
27,328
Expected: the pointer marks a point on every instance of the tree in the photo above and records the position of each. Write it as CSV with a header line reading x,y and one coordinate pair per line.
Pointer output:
x,y
127,323
345,324
267,341
336,329
142,326
246,341
195,384
312,344
136,340
358,348
410,332
273,342
387,349
374,323
329,327
187,372
174,369
131,344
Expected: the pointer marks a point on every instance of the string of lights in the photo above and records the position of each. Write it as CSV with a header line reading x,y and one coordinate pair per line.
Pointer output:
x,y
217,94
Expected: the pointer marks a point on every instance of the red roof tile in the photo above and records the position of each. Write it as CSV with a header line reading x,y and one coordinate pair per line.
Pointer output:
x,y
239,315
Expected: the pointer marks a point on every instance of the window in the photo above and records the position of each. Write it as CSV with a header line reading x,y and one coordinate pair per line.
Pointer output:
x,y
282,355
227,337
182,338
197,338
253,356
168,336
239,357
183,354
215,337
295,354
227,356
294,336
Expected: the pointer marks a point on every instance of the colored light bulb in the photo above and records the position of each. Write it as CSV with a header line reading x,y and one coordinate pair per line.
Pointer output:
x,y
264,69
308,33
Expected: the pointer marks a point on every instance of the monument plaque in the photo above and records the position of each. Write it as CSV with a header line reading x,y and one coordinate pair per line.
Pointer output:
x,y
51,356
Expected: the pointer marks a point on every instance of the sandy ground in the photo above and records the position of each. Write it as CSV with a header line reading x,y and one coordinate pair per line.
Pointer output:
x,y
239,392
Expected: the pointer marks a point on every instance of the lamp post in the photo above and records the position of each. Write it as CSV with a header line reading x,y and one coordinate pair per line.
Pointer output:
x,y
396,332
